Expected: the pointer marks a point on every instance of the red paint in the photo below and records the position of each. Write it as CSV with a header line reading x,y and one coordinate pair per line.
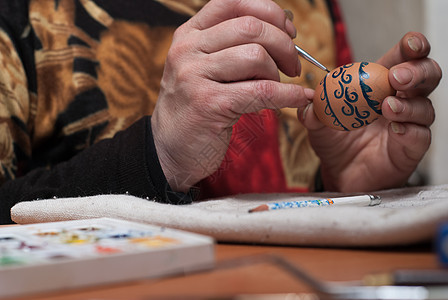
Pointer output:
x,y
107,250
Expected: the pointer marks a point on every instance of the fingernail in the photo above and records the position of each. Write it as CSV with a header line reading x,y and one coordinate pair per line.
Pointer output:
x,y
304,112
289,25
395,105
299,68
415,44
291,29
397,128
289,14
309,93
403,75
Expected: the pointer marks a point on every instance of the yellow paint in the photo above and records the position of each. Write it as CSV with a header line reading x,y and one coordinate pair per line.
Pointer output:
x,y
155,241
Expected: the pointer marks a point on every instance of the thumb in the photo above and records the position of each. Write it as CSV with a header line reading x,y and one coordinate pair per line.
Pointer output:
x,y
413,45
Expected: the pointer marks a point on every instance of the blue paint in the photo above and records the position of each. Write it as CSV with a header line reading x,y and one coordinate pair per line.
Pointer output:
x,y
351,97
328,110
442,244
297,204
363,75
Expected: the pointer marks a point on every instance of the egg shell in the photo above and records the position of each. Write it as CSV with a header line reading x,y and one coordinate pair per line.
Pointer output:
x,y
350,96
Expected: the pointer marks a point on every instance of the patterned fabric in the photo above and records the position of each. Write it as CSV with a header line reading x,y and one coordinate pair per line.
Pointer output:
x,y
269,151
74,72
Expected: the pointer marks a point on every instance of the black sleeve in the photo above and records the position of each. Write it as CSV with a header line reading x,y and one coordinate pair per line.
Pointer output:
x,y
127,163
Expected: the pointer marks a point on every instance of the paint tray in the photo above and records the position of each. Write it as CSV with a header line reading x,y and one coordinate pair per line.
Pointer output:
x,y
72,254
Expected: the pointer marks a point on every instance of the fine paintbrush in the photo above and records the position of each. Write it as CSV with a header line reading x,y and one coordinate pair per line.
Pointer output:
x,y
311,59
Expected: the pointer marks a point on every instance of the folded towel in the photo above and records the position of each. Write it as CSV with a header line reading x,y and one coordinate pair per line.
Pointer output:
x,y
405,216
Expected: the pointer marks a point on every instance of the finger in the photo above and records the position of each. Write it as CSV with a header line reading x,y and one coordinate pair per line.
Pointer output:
x,y
308,118
416,77
245,62
237,98
248,29
413,45
418,110
409,143
218,11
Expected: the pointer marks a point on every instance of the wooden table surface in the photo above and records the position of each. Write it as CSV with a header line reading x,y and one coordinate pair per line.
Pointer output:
x,y
247,269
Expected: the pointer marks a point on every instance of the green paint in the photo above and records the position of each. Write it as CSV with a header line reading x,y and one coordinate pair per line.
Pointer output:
x,y
10,261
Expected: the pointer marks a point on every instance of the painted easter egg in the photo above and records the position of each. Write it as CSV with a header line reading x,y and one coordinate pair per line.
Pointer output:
x,y
350,96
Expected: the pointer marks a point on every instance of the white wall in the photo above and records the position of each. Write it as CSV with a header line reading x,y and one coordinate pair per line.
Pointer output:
x,y
436,27
375,26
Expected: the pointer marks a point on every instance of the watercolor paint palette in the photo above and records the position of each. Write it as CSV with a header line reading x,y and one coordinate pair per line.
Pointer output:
x,y
70,254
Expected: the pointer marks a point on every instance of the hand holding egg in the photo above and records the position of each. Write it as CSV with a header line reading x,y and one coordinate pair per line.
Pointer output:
x,y
384,154
350,96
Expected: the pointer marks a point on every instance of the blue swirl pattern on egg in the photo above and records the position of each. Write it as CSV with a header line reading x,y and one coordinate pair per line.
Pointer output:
x,y
350,96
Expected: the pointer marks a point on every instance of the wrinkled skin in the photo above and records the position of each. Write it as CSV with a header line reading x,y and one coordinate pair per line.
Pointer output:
x,y
385,153
224,62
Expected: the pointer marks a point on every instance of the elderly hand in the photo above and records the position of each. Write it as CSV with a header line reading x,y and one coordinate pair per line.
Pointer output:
x,y
385,153
222,63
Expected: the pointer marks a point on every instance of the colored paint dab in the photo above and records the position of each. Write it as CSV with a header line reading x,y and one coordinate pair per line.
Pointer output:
x,y
125,234
90,229
107,250
119,236
47,233
10,261
59,256
28,247
156,241
74,238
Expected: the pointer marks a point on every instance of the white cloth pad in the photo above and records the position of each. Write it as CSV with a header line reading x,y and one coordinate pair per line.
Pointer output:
x,y
405,216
